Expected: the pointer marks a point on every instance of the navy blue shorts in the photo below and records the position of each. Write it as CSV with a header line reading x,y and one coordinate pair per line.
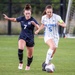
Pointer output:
x,y
29,41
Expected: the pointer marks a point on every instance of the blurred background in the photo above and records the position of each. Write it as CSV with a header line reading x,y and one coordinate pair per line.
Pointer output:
x,y
14,8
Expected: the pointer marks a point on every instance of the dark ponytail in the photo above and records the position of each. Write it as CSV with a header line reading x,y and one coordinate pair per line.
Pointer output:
x,y
27,7
47,7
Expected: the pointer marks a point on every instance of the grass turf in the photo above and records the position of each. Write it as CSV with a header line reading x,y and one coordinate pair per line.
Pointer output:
x,y
64,58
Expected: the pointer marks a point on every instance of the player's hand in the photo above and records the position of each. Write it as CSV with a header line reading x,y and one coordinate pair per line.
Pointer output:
x,y
32,22
37,31
58,23
5,16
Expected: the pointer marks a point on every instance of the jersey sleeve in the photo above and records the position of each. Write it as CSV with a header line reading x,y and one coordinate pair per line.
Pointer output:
x,y
59,19
42,20
35,21
18,19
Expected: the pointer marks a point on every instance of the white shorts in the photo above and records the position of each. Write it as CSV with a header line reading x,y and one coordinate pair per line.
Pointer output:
x,y
55,39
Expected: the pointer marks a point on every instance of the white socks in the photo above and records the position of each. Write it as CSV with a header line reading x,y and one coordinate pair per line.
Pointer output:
x,y
48,56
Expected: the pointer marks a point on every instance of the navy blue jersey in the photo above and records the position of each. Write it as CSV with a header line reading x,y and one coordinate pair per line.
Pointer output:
x,y
27,29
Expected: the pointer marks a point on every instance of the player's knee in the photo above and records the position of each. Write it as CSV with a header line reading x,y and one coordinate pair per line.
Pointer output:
x,y
30,55
30,52
53,48
21,47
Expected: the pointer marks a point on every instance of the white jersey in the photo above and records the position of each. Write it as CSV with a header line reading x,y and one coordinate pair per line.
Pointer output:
x,y
51,28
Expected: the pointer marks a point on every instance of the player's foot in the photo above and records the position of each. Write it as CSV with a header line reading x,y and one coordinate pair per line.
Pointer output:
x,y
20,66
43,66
27,68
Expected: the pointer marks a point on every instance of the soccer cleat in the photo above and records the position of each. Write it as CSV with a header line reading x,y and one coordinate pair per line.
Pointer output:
x,y
20,66
43,66
27,68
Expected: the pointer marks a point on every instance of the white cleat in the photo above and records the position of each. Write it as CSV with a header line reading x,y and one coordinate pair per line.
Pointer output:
x,y
27,68
20,66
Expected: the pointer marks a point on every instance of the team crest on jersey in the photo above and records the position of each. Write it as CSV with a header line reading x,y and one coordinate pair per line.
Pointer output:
x,y
29,23
53,20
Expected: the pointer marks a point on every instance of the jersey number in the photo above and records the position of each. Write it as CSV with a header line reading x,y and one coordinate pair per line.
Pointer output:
x,y
50,29
25,26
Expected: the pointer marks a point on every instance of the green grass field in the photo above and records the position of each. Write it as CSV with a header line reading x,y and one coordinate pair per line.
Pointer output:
x,y
64,58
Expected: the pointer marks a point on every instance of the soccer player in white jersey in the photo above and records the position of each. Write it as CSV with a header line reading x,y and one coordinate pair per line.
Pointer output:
x,y
50,22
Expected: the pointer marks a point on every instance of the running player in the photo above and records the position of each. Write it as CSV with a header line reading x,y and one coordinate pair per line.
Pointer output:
x,y
50,22
26,37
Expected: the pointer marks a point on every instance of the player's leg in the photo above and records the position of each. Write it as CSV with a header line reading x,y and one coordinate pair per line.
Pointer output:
x,y
50,52
56,41
29,57
21,45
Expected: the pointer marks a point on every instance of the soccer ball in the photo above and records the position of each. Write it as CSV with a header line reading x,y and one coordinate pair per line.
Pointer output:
x,y
50,68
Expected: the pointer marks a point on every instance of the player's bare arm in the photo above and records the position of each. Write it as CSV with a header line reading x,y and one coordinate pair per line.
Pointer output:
x,y
62,24
11,19
40,28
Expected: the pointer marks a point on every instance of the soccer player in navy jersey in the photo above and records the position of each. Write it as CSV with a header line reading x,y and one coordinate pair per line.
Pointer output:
x,y
26,37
